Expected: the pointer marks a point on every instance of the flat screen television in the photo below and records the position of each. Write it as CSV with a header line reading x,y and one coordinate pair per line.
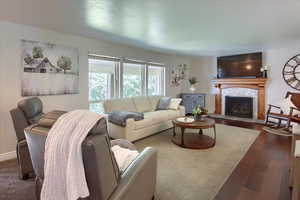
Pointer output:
x,y
240,66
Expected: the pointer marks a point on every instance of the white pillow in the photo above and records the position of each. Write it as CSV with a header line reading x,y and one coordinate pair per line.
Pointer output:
x,y
124,157
286,105
174,103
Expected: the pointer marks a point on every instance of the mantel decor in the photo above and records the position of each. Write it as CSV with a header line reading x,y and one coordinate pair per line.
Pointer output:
x,y
252,83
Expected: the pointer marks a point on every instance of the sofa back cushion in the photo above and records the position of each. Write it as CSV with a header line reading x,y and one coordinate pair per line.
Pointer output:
x,y
142,104
154,101
125,104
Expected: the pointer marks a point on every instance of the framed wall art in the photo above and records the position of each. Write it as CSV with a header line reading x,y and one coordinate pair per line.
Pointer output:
x,y
49,69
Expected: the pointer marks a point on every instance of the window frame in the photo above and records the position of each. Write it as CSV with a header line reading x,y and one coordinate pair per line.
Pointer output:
x,y
163,78
117,90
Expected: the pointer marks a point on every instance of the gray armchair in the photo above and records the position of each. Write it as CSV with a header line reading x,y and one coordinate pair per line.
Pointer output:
x,y
104,179
28,112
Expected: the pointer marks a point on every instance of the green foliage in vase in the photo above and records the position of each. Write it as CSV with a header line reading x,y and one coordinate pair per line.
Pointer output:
x,y
199,111
64,63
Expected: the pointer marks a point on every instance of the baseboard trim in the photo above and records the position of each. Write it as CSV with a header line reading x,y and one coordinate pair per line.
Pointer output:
x,y
8,156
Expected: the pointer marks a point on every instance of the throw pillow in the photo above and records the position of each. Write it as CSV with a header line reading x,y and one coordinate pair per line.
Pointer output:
x,y
286,105
174,104
163,103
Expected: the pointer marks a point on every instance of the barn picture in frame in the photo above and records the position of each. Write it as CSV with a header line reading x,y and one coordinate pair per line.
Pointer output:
x,y
49,69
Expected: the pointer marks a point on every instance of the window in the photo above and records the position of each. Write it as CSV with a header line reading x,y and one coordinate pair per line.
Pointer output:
x,y
156,77
101,82
133,79
120,78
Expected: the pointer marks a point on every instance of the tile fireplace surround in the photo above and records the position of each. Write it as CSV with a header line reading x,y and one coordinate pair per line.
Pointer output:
x,y
243,87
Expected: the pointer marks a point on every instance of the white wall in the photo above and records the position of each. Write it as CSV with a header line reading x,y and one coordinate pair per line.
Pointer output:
x,y
10,69
276,59
204,69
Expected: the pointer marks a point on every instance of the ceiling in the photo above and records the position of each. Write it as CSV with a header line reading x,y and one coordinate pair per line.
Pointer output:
x,y
195,27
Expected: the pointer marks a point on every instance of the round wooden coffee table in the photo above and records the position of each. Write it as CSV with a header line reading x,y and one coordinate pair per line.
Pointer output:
x,y
192,140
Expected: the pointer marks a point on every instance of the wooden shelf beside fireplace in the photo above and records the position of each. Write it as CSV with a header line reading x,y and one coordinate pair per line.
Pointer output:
x,y
252,83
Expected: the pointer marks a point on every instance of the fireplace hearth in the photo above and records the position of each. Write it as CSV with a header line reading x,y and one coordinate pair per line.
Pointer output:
x,y
239,106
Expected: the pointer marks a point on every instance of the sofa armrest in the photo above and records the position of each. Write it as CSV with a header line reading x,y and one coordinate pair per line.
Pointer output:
x,y
139,179
182,110
130,123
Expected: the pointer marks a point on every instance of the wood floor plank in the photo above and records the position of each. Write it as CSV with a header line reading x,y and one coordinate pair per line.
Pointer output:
x,y
263,172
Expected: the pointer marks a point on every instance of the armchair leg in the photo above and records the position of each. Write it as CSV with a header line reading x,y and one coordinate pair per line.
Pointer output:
x,y
267,120
288,124
279,123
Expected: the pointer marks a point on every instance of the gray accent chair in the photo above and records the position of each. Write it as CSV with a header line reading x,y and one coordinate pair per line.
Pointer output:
x,y
104,179
28,112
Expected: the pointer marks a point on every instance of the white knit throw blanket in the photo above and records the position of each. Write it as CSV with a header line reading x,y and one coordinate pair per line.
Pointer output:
x,y
64,176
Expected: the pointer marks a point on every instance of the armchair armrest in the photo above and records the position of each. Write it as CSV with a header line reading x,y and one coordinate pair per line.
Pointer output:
x,y
273,106
123,143
139,179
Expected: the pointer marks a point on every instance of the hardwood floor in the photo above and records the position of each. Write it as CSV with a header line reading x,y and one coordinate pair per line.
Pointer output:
x,y
263,173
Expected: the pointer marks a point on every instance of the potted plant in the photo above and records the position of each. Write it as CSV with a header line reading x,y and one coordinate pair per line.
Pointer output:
x,y
193,81
199,113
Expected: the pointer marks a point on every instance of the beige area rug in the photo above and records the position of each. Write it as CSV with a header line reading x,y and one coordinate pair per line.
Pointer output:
x,y
186,174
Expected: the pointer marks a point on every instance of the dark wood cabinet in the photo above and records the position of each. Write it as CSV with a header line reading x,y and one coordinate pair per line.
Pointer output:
x,y
191,100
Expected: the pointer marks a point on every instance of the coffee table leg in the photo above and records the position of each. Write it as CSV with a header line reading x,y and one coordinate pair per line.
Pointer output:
x,y
182,136
200,132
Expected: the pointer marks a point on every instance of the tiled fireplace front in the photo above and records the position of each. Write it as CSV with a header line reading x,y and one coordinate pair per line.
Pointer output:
x,y
239,106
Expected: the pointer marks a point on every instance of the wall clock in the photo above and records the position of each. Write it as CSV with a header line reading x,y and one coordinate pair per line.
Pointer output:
x,y
291,72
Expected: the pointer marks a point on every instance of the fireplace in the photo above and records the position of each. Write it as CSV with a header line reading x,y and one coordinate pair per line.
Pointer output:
x,y
241,87
239,106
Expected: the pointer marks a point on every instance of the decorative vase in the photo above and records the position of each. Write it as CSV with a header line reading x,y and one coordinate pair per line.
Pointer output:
x,y
200,117
197,117
265,75
192,88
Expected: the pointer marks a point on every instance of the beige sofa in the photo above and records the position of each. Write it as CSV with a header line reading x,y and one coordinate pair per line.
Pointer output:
x,y
153,122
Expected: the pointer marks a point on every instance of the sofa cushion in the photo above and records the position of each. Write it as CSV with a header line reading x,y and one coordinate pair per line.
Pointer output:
x,y
146,122
167,114
156,117
163,103
125,104
142,104
154,101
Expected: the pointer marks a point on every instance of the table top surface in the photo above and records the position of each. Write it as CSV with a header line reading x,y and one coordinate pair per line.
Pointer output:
x,y
198,124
